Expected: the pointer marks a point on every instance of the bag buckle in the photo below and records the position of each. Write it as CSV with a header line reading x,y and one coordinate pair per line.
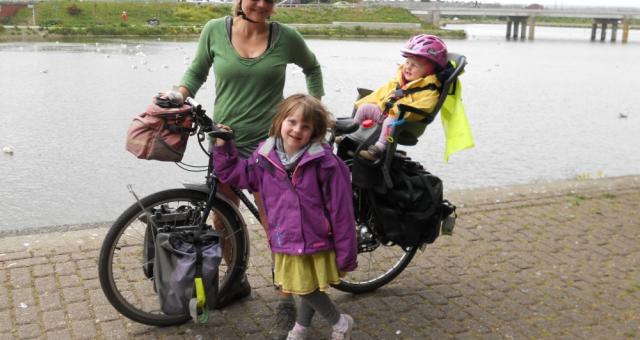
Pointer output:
x,y
448,224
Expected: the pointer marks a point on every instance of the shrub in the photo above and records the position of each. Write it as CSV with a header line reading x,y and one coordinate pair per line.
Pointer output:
x,y
73,10
51,22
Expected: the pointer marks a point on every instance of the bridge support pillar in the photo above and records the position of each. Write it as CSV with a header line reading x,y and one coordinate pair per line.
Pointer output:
x,y
532,27
603,33
625,29
435,18
523,29
614,31
519,25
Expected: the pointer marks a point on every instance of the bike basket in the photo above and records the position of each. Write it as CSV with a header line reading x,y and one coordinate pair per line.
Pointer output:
x,y
180,258
160,133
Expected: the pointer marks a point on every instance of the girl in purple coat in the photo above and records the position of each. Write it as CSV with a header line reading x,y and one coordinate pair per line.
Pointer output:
x,y
306,192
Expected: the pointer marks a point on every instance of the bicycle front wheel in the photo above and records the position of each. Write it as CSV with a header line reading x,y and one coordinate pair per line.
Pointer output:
x,y
125,264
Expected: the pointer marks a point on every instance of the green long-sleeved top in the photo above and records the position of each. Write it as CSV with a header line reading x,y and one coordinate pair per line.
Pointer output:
x,y
249,89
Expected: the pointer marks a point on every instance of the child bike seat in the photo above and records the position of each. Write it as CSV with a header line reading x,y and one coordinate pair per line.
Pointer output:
x,y
407,132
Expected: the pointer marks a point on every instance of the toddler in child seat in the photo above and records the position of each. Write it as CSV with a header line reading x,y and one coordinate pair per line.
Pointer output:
x,y
300,180
426,55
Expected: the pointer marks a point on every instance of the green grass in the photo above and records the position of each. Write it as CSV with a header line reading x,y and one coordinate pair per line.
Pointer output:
x,y
103,18
55,13
326,15
358,31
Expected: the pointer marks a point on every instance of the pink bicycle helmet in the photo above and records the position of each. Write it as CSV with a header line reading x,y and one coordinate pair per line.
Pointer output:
x,y
426,46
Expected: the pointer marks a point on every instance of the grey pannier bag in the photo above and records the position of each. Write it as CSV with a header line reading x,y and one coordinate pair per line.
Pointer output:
x,y
186,272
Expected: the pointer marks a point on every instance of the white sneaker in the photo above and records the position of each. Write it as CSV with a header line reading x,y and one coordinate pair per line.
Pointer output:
x,y
343,334
297,335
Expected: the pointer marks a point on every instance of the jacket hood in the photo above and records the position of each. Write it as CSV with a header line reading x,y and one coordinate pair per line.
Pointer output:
x,y
315,150
420,82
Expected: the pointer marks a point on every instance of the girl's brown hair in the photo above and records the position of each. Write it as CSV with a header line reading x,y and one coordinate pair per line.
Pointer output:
x,y
312,112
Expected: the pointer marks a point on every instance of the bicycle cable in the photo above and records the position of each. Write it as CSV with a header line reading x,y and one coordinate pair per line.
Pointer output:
x,y
191,167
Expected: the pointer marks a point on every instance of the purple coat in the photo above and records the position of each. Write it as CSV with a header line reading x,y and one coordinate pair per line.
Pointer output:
x,y
309,213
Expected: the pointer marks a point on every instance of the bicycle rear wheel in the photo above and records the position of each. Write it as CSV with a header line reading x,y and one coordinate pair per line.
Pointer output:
x,y
378,263
125,262
376,268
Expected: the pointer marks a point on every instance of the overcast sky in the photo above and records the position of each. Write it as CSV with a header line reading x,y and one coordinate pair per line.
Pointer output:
x,y
560,3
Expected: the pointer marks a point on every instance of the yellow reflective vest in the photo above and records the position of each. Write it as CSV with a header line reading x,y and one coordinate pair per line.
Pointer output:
x,y
456,126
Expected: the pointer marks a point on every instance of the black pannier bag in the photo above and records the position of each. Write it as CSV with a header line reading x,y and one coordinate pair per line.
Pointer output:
x,y
411,212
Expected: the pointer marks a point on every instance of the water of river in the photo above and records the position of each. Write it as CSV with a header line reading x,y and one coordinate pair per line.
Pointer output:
x,y
540,110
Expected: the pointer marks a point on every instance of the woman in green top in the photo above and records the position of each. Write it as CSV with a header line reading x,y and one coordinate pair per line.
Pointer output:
x,y
250,55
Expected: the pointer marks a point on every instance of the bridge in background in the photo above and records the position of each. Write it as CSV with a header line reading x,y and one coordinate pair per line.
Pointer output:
x,y
519,18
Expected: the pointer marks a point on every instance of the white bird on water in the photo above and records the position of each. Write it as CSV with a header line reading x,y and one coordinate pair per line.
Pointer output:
x,y
8,150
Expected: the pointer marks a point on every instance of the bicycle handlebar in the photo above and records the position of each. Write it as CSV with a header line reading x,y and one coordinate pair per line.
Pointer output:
x,y
193,103
207,125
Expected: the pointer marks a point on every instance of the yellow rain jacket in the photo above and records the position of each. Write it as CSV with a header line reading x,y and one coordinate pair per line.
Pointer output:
x,y
424,100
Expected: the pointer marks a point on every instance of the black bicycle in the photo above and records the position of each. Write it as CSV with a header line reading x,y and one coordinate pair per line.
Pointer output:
x,y
126,258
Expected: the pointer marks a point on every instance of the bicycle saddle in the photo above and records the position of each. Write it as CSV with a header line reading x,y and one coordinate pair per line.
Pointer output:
x,y
346,125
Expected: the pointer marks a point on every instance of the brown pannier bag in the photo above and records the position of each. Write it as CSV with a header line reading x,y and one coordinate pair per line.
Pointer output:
x,y
160,133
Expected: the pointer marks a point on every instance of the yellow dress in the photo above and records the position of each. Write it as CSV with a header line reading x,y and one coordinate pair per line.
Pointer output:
x,y
305,273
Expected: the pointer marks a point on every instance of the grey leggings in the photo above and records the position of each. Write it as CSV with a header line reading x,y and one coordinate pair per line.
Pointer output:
x,y
317,301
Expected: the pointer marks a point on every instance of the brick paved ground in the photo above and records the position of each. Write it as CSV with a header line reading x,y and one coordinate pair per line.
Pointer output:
x,y
558,260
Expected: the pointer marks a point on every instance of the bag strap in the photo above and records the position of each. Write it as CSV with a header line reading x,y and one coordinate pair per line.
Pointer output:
x,y
202,311
400,93
177,128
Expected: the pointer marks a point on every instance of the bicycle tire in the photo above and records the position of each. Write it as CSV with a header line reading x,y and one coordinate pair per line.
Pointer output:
x,y
359,281
378,262
120,266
